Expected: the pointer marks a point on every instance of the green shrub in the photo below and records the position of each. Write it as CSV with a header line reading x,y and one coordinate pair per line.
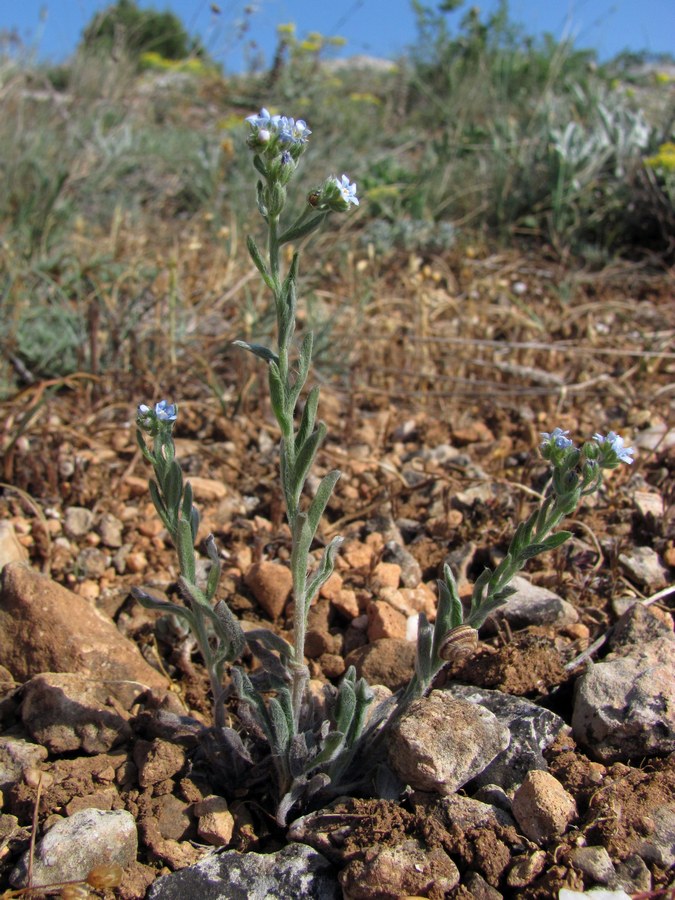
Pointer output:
x,y
124,26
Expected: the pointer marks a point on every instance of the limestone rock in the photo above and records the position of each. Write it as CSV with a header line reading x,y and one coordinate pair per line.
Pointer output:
x,y
71,712
643,565
405,870
532,728
441,743
542,807
294,873
388,661
271,585
46,628
73,846
625,707
157,760
532,605
11,548
16,755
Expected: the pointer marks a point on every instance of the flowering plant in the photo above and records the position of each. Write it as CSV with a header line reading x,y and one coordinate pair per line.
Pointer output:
x,y
310,754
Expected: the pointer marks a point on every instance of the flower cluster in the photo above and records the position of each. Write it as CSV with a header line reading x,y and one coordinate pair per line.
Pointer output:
x,y
287,129
336,194
613,450
149,420
557,437
604,451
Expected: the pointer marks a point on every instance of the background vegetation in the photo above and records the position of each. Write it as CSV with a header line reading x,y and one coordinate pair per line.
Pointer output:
x,y
127,186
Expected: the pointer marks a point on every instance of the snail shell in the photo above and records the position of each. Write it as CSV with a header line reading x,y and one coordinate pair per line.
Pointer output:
x,y
459,644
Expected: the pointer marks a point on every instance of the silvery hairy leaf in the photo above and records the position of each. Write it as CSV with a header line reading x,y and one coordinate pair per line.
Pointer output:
x,y
258,350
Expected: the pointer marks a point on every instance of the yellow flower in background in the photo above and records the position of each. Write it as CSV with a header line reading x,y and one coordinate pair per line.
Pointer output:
x,y
365,98
664,158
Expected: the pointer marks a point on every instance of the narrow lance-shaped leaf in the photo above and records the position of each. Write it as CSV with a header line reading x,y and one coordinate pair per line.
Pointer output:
x,y
344,707
280,732
186,551
364,697
295,232
450,612
173,488
304,363
162,512
423,661
308,417
144,447
271,640
476,617
258,350
213,577
478,588
186,505
150,602
287,309
323,494
261,200
259,263
305,458
278,399
230,629
324,569
330,746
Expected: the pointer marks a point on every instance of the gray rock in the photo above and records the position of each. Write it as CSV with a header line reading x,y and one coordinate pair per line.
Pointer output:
x,y
477,493
659,845
72,847
643,565
637,626
77,521
411,571
658,437
92,562
16,755
494,795
625,707
532,729
531,605
633,875
649,504
480,889
71,712
110,528
594,862
467,812
440,743
294,873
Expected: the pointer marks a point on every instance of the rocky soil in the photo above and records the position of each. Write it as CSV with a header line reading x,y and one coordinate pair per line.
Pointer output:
x,y
543,761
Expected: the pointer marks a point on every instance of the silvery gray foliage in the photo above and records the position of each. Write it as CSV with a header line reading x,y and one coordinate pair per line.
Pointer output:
x,y
314,757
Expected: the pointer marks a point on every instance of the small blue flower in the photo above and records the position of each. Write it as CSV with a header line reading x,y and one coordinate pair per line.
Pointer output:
x,y
615,443
165,412
558,437
292,132
347,190
262,120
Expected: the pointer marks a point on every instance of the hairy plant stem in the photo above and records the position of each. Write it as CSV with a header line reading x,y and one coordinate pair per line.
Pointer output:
x,y
300,672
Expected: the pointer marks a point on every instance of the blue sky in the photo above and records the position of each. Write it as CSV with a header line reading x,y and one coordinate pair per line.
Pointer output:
x,y
377,27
